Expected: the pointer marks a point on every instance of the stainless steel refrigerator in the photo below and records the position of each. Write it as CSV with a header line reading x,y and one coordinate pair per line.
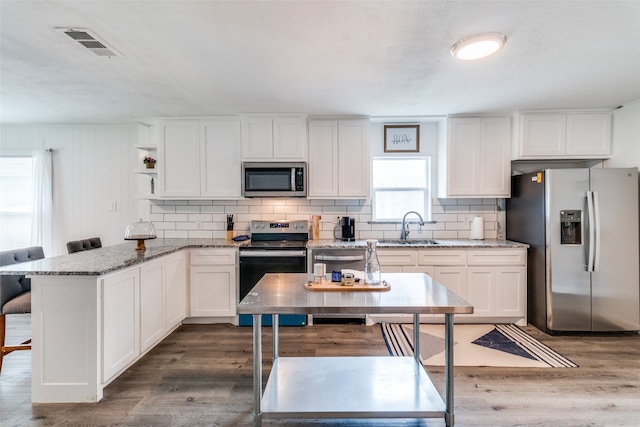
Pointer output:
x,y
582,228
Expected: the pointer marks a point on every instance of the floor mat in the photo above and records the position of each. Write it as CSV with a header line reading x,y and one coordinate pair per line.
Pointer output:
x,y
475,345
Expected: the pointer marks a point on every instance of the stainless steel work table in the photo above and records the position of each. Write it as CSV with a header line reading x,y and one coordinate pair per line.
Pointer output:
x,y
351,387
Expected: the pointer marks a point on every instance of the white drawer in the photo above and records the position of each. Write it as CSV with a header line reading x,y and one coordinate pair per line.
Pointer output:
x,y
497,257
212,257
397,257
442,257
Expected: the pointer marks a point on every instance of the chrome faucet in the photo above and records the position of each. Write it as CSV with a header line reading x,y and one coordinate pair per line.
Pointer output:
x,y
405,227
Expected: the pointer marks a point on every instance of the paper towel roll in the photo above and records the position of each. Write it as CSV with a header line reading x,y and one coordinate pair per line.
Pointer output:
x,y
477,228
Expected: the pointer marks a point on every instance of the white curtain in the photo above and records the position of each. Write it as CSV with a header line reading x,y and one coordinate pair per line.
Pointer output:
x,y
42,218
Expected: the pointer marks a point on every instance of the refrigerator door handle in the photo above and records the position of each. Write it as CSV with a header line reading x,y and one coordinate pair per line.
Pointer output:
x,y
592,232
596,208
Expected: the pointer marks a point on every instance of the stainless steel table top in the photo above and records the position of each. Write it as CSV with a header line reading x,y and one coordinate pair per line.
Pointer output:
x,y
284,293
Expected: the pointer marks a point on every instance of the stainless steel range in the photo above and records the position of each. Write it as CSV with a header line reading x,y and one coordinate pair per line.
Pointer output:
x,y
275,247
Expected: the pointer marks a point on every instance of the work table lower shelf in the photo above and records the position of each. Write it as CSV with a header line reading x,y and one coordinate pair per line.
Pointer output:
x,y
350,387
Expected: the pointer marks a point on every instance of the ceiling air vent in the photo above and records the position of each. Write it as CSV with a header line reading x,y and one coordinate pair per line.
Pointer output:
x,y
89,41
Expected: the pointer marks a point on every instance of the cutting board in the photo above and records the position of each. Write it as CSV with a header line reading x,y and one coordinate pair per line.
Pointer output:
x,y
327,285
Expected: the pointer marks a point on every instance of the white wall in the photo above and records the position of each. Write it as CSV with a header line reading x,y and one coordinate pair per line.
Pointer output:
x,y
92,167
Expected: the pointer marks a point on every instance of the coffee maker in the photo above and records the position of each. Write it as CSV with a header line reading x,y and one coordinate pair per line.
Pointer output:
x,y
348,226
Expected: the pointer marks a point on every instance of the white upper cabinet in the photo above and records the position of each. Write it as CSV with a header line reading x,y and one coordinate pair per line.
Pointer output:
x,y
562,135
274,138
179,159
199,159
220,162
589,134
323,158
339,159
475,158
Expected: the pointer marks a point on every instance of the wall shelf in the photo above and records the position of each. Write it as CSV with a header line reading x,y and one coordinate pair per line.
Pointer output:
x,y
147,197
145,147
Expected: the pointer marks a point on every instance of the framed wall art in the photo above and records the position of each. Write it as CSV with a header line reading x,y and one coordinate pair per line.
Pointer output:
x,y
401,138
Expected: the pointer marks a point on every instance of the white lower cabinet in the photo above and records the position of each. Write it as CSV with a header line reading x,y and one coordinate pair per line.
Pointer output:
x,y
453,277
481,289
511,291
162,297
212,283
152,302
395,260
120,320
176,289
496,291
497,282
141,305
492,280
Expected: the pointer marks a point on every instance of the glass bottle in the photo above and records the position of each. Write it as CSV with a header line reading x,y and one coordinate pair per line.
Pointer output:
x,y
372,265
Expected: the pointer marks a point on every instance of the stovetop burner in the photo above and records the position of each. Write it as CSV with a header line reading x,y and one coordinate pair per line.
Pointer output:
x,y
278,235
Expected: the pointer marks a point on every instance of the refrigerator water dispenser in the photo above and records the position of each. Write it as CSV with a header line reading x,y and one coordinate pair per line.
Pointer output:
x,y
571,227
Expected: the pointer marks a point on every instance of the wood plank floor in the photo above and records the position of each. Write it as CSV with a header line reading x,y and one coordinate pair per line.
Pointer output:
x,y
201,375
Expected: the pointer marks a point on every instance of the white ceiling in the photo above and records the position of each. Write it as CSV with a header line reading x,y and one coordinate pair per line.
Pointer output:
x,y
373,58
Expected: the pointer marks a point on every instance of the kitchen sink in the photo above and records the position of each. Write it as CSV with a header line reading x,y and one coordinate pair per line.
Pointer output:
x,y
408,242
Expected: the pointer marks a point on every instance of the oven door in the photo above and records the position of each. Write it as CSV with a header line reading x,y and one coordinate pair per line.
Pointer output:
x,y
338,259
255,263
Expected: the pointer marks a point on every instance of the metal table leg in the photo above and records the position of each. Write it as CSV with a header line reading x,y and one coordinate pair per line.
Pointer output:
x,y
448,369
257,370
276,336
416,337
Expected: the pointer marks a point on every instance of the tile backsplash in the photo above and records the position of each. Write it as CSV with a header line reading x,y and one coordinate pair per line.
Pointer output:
x,y
207,218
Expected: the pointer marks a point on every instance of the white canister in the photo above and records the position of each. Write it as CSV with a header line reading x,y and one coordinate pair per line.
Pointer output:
x,y
319,271
477,228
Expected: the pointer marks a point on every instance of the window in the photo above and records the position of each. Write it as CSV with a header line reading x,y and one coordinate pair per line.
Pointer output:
x,y
400,185
16,201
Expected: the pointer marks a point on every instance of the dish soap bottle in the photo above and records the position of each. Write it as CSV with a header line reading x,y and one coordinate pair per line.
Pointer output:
x,y
372,265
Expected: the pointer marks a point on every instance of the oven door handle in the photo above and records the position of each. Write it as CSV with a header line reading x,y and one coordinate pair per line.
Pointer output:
x,y
339,257
271,253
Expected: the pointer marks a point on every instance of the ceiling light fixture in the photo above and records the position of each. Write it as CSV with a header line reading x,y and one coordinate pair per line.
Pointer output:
x,y
478,46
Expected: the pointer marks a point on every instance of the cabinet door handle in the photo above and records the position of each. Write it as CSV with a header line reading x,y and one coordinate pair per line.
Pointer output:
x,y
339,258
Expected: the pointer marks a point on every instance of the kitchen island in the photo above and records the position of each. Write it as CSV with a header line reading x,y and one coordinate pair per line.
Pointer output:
x,y
351,387
95,313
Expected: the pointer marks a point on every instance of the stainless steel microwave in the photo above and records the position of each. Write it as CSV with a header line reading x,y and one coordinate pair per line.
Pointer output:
x,y
274,179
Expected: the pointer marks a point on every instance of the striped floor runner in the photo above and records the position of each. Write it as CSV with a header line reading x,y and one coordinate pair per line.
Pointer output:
x,y
475,345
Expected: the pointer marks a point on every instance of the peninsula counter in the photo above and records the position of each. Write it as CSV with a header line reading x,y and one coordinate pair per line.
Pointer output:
x,y
95,313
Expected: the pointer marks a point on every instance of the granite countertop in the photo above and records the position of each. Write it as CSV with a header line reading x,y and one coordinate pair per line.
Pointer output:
x,y
104,260
419,243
